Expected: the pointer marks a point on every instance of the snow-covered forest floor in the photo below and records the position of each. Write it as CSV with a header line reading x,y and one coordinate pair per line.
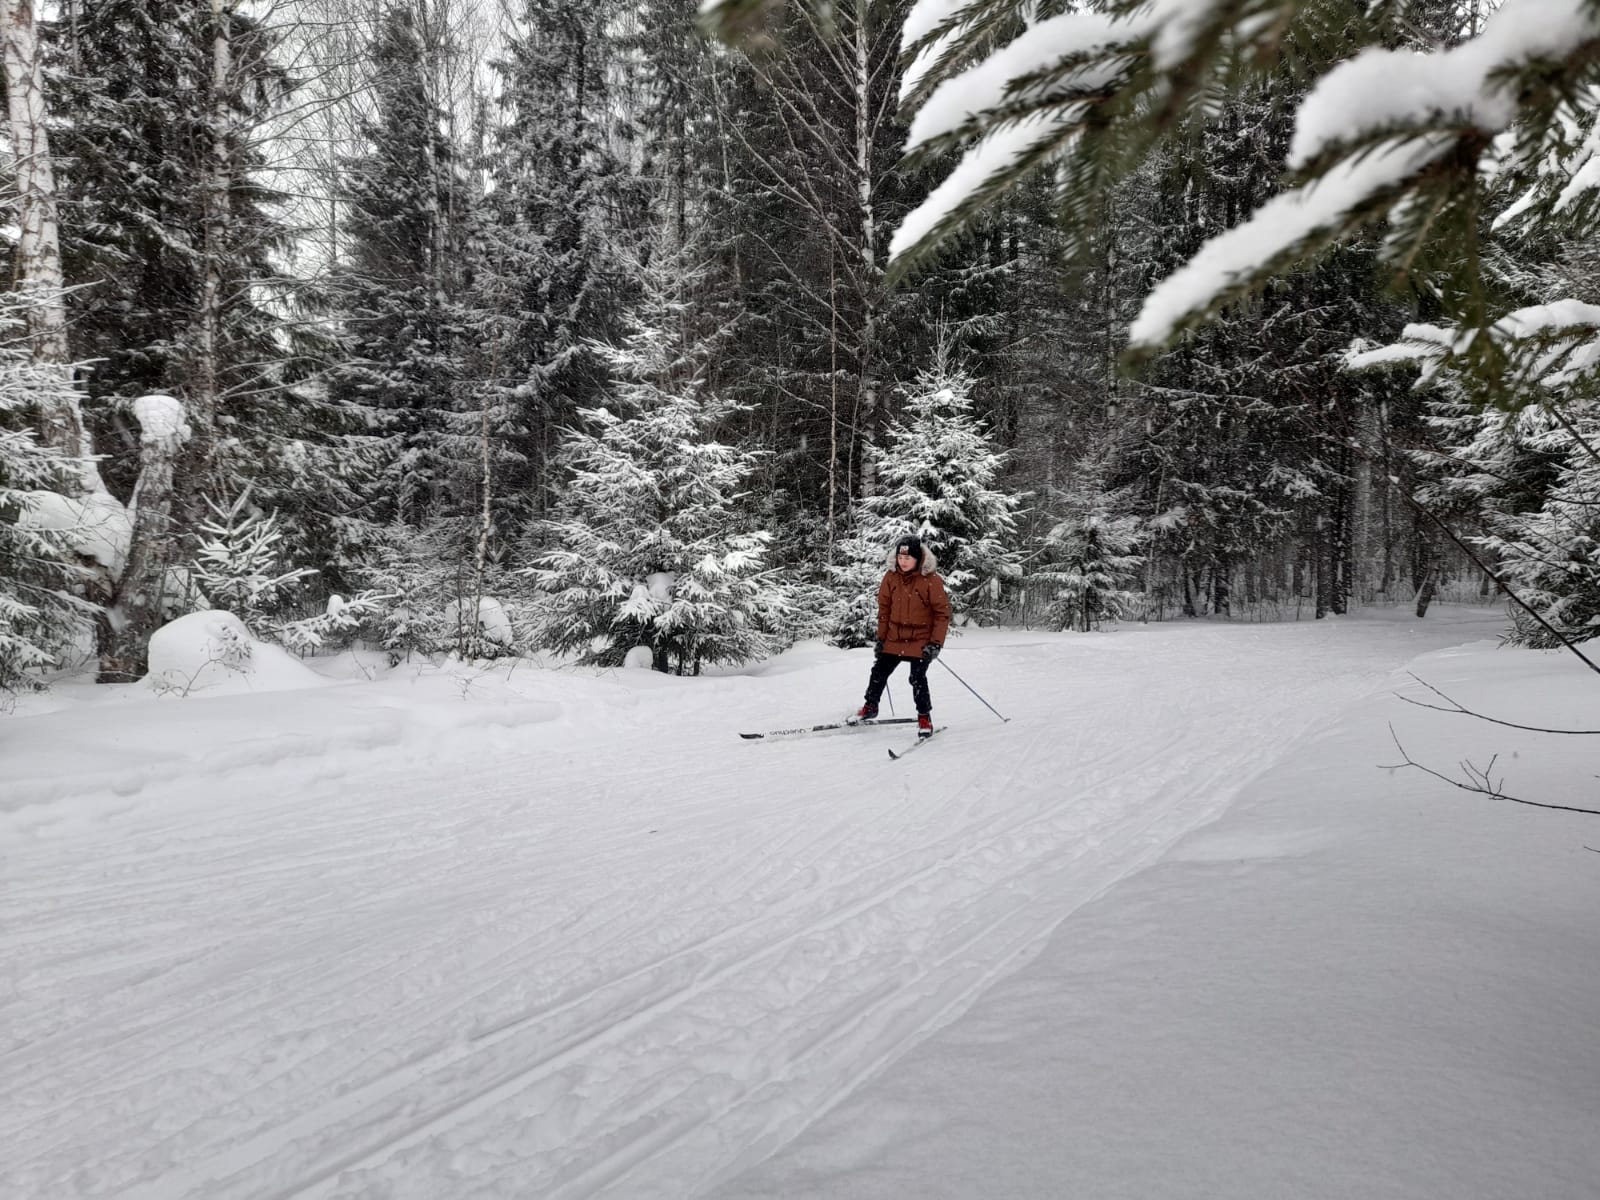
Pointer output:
x,y
1171,932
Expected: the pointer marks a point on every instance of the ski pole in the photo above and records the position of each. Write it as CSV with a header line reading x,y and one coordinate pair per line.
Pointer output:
x,y
971,689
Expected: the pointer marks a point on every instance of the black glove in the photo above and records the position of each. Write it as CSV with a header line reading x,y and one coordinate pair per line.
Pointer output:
x,y
877,646
931,651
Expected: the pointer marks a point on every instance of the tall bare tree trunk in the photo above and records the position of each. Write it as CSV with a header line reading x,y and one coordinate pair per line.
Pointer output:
x,y
872,273
205,390
1361,503
137,608
39,242
833,405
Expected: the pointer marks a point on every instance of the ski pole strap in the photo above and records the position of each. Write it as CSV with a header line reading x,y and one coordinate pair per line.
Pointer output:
x,y
969,687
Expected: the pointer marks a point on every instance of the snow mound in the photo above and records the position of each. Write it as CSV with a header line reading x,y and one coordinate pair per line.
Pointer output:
x,y
494,623
212,651
99,526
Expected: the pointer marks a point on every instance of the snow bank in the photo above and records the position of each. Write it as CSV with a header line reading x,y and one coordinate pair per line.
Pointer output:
x,y
213,651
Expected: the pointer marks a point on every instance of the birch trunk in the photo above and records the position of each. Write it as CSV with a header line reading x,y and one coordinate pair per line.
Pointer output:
x,y
38,261
872,274
205,398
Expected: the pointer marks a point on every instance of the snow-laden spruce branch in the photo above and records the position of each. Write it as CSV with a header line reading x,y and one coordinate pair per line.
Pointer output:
x,y
1393,135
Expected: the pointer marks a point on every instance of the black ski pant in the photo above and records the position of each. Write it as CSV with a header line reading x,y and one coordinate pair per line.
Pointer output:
x,y
883,666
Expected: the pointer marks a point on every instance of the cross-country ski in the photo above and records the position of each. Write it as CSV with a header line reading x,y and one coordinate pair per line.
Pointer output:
x,y
921,741
830,727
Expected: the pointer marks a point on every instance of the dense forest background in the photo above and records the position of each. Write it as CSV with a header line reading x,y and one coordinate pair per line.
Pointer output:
x,y
561,325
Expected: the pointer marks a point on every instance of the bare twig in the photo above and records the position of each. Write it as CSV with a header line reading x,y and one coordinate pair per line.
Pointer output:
x,y
1479,780
1457,708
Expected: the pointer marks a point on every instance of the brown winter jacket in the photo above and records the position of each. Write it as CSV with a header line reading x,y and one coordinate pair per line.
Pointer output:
x,y
913,609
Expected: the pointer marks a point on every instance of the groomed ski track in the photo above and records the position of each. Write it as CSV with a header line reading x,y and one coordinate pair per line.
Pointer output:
x,y
612,950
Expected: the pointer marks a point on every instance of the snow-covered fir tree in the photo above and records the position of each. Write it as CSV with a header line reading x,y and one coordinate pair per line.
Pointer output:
x,y
562,221
240,562
172,235
653,551
41,612
1523,487
1090,561
398,285
1550,557
939,475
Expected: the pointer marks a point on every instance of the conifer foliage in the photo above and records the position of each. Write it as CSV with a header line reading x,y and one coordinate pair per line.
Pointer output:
x,y
556,255
1091,566
1389,136
652,551
398,284
939,473
1551,556
39,613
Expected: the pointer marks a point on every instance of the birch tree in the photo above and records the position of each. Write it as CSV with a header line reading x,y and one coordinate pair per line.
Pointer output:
x,y
37,266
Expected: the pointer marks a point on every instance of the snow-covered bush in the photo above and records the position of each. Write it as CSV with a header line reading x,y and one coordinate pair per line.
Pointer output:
x,y
488,635
337,625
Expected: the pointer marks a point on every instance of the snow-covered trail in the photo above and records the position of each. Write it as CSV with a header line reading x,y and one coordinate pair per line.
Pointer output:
x,y
611,951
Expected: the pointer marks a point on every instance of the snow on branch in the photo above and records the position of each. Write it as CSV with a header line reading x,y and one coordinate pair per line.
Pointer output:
x,y
1071,41
1470,84
1290,225
1552,347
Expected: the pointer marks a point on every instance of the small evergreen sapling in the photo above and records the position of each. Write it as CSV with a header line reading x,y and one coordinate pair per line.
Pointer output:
x,y
239,563
1091,567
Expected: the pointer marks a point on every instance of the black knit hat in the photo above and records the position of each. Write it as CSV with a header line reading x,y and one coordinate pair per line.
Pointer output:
x,y
910,545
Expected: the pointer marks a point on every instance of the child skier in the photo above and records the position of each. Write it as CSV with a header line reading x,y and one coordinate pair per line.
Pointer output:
x,y
913,618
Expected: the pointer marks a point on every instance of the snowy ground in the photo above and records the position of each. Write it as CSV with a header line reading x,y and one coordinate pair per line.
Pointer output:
x,y
452,935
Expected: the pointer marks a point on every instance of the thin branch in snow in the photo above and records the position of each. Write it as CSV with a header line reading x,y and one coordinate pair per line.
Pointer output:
x,y
1456,707
1478,779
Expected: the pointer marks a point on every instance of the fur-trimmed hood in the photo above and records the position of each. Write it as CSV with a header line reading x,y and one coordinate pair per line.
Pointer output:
x,y
930,560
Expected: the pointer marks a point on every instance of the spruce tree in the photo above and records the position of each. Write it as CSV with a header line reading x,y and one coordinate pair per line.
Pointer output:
x,y
939,474
652,547
398,285
142,131
563,225
41,610
1550,557
1090,567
